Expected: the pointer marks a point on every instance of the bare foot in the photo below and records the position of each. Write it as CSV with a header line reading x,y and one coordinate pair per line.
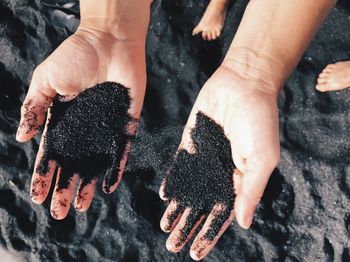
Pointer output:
x,y
334,77
213,20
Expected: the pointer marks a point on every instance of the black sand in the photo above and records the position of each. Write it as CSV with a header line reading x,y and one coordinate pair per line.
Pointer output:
x,y
205,178
88,134
304,215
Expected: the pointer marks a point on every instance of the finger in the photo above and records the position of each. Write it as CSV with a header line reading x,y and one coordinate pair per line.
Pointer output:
x,y
85,194
215,225
186,139
252,187
35,106
171,216
237,180
115,173
44,170
240,162
41,184
162,191
63,194
184,230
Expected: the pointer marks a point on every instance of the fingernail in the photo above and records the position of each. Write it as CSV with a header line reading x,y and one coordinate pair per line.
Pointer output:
x,y
18,131
247,221
170,246
199,247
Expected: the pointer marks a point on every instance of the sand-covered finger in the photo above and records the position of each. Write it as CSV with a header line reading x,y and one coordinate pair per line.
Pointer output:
x,y
63,194
171,216
85,194
184,230
215,225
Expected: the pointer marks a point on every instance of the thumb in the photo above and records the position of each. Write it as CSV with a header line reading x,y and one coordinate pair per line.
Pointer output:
x,y
34,108
252,186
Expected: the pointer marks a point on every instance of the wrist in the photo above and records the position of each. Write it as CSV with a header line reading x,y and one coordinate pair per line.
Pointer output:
x,y
252,65
117,19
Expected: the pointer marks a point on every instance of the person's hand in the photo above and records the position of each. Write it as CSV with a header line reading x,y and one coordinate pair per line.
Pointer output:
x,y
92,55
247,112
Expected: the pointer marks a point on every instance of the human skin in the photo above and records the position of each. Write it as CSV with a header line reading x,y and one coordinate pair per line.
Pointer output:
x,y
334,77
213,20
241,96
109,45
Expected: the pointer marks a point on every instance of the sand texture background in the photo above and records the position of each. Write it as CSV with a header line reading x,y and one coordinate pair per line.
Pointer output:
x,y
305,212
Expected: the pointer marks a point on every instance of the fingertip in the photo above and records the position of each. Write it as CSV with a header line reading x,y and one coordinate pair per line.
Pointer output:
x,y
243,221
80,205
244,212
109,189
80,208
194,255
22,138
170,246
244,224
112,179
162,194
57,215
59,208
37,200
164,226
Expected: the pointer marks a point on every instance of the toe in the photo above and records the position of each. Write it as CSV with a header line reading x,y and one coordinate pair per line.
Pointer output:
x,y
327,70
217,33
321,80
322,87
330,66
204,35
324,74
213,35
209,38
196,30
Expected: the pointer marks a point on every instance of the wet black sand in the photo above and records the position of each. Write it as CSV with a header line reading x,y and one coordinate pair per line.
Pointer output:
x,y
304,215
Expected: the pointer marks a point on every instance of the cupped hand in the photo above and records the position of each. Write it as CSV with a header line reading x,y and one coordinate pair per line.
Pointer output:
x,y
247,112
85,59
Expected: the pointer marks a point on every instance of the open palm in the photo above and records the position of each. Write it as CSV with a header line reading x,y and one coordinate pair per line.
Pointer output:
x,y
84,60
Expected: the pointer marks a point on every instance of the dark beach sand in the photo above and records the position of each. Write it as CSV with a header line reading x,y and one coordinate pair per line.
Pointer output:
x,y
202,179
304,215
